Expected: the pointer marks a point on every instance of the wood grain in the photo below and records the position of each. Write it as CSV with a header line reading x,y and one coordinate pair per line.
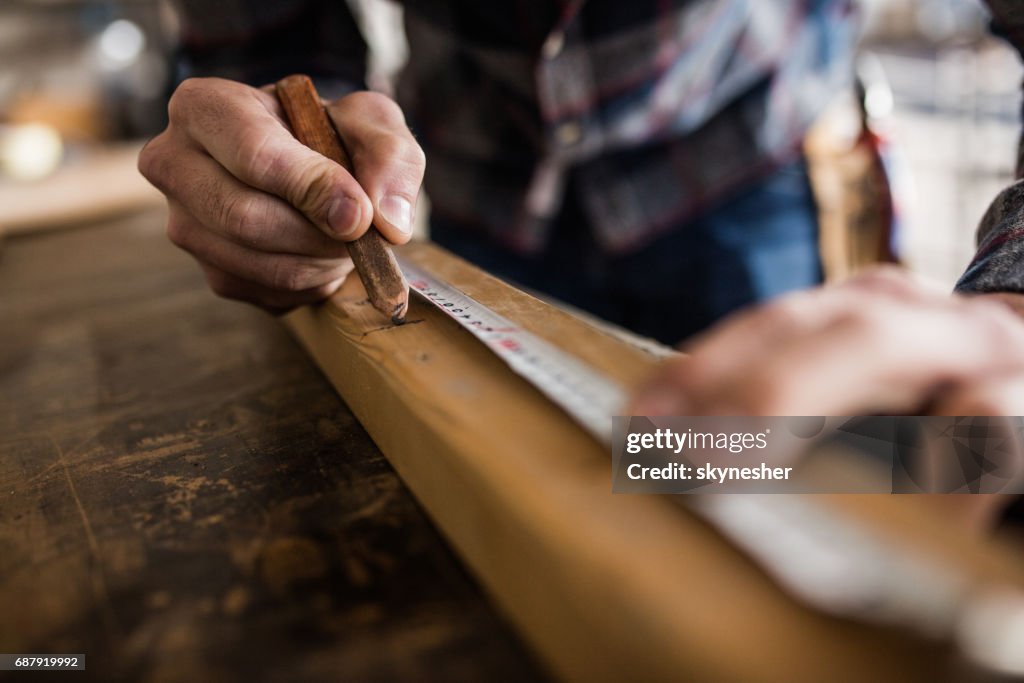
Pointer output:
x,y
183,497
388,291
605,587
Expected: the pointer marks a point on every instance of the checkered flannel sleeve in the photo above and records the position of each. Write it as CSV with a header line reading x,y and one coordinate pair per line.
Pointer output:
x,y
998,265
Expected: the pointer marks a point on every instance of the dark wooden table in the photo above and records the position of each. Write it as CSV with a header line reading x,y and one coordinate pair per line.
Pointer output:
x,y
183,497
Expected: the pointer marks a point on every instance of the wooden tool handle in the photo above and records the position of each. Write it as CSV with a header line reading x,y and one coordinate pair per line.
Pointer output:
x,y
386,287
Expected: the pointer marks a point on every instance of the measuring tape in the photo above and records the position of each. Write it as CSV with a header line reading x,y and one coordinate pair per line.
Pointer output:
x,y
586,395
829,562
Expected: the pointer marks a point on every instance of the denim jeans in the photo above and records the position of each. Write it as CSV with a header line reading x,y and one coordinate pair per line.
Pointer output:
x,y
754,245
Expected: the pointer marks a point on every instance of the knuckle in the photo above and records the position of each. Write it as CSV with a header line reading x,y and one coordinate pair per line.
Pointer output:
x,y
184,99
784,314
867,322
415,154
895,282
147,158
884,272
312,189
154,164
788,313
308,186
404,150
179,232
220,284
389,148
241,218
374,104
256,155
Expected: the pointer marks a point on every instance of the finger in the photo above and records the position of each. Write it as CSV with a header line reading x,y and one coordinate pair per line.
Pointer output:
x,y
889,358
280,272
751,334
242,130
877,355
994,396
237,212
804,311
386,159
754,329
896,282
274,301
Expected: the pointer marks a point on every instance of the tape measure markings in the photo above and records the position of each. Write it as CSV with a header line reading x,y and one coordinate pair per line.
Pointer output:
x,y
783,534
586,395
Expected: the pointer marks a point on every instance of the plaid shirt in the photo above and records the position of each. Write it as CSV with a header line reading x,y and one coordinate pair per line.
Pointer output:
x,y
657,107
998,266
661,107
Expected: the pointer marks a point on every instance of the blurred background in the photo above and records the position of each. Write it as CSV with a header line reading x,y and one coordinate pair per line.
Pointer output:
x,y
82,83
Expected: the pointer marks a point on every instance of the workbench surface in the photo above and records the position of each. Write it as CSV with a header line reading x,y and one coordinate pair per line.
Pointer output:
x,y
183,497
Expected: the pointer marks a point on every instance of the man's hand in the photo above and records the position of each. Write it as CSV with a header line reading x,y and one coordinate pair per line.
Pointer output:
x,y
266,217
878,343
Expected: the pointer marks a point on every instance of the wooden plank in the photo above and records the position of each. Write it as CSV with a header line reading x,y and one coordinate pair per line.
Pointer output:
x,y
604,587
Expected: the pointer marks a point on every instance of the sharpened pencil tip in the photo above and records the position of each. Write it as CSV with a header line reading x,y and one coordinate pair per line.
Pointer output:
x,y
398,316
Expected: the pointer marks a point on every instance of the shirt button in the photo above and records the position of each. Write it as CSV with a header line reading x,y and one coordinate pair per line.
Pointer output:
x,y
553,45
569,133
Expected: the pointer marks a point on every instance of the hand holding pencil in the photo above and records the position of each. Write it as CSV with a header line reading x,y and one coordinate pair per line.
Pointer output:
x,y
270,220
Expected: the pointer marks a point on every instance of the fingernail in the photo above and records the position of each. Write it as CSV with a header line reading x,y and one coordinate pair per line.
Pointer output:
x,y
397,211
343,217
659,401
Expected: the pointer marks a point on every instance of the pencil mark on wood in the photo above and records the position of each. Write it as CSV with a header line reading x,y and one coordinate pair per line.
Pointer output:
x,y
390,327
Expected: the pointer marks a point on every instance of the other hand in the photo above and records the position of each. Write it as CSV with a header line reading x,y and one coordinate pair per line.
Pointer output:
x,y
881,342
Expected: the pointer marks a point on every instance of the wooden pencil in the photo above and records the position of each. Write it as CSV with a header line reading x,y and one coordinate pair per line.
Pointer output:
x,y
385,285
